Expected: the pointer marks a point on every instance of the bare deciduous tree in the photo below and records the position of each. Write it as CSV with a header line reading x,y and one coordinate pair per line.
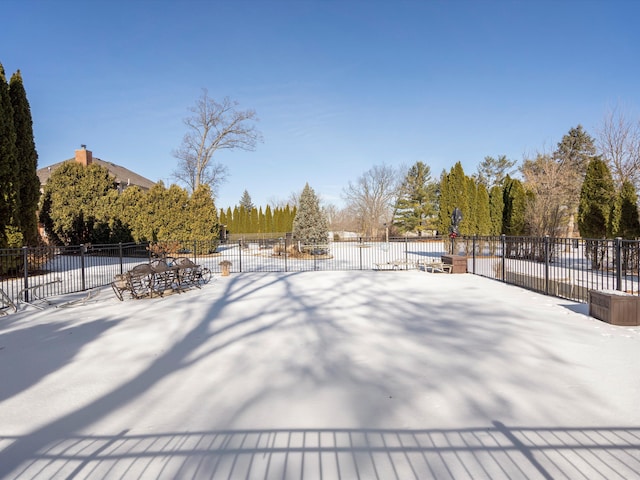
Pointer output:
x,y
213,126
372,197
547,211
619,143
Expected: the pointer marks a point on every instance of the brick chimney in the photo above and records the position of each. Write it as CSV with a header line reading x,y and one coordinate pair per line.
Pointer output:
x,y
84,156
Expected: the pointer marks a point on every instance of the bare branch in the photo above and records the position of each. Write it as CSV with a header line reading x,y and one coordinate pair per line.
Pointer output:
x,y
213,126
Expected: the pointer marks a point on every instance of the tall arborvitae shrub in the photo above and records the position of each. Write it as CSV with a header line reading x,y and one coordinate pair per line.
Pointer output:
x,y
454,193
483,215
203,217
310,225
624,220
514,197
496,208
8,162
28,183
597,197
597,200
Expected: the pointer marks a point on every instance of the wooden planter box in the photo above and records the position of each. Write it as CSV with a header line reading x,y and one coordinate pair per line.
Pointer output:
x,y
458,263
616,308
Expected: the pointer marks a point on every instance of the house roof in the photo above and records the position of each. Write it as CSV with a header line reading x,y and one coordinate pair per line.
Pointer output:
x,y
122,175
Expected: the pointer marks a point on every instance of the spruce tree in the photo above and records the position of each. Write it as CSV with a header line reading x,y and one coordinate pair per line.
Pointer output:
x,y
310,226
27,159
245,201
8,162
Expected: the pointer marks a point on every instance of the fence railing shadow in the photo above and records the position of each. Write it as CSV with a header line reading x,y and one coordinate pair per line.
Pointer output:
x,y
498,451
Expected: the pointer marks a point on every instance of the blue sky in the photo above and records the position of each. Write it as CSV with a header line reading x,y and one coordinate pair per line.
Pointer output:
x,y
338,86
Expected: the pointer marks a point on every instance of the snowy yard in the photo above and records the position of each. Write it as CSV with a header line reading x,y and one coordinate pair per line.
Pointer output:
x,y
332,375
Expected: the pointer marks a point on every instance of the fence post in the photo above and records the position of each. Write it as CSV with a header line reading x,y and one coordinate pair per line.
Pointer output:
x,y
25,265
286,249
120,254
503,241
618,262
82,272
360,252
545,241
406,252
240,256
473,253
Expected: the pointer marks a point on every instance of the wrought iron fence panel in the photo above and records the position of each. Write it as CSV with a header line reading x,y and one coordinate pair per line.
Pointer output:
x,y
563,267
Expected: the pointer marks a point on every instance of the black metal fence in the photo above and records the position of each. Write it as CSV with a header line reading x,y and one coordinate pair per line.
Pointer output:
x,y
565,267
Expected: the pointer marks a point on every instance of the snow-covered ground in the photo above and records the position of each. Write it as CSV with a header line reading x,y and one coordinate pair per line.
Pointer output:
x,y
332,375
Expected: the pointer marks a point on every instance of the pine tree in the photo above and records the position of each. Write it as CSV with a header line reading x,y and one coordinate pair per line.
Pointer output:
x,y
573,154
27,158
310,224
8,162
596,201
493,171
416,202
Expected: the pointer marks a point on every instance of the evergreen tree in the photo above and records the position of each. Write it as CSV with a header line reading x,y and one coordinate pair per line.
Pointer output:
x,y
203,216
493,171
515,200
229,216
483,213
235,223
596,201
625,222
8,162
470,227
222,217
268,220
310,224
75,201
128,212
575,151
245,201
416,202
573,154
454,193
27,161
496,208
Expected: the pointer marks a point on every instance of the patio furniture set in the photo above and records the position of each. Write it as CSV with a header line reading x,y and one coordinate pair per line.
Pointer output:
x,y
159,277
433,266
